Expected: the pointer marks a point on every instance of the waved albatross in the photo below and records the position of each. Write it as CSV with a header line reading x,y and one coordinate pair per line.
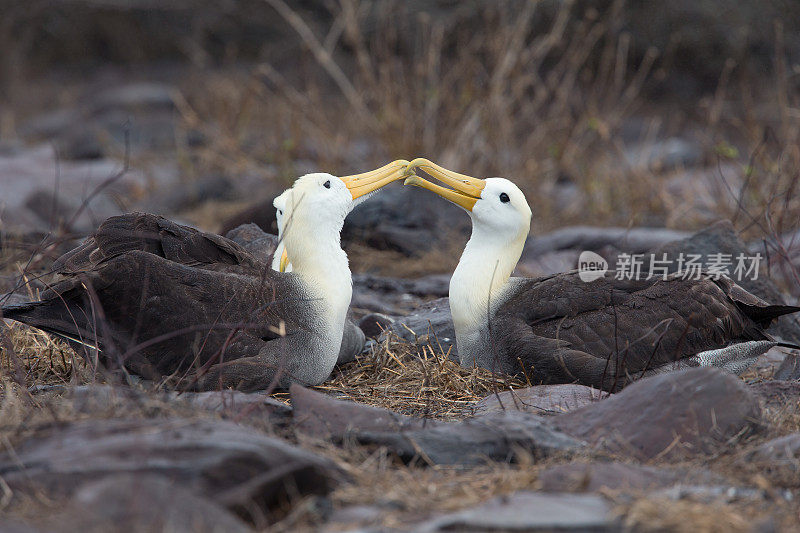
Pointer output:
x,y
560,329
280,260
167,301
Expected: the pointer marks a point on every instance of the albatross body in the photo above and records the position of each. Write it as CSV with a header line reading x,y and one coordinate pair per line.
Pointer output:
x,y
167,301
560,329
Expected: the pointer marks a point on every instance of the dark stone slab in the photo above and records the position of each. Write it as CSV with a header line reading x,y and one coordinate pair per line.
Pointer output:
x,y
431,322
142,504
236,466
591,477
777,394
541,399
496,437
321,416
531,511
778,459
679,414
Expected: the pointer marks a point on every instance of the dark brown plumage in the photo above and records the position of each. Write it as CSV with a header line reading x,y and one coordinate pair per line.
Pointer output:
x,y
165,300
605,333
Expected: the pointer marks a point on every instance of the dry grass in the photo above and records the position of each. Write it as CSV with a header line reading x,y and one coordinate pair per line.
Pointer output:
x,y
414,380
35,358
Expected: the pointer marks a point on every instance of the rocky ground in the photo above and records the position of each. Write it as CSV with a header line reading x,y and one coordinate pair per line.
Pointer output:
x,y
403,438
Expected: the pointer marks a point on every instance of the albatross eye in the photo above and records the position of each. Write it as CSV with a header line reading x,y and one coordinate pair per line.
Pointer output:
x,y
280,212
327,184
504,198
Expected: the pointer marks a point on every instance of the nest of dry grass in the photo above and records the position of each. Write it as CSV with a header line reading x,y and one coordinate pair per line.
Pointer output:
x,y
414,379
31,357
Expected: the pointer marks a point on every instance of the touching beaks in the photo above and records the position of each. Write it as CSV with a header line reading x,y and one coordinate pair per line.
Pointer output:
x,y
367,182
465,192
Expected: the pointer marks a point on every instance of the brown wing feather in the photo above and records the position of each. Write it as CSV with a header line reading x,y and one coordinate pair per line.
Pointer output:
x,y
602,333
166,297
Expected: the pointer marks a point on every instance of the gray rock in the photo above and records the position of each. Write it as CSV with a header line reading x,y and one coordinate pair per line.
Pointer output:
x,y
591,477
405,220
144,112
789,370
233,465
495,437
259,243
679,414
531,511
374,324
143,503
631,240
189,193
541,399
323,417
778,459
29,179
430,323
665,154
777,393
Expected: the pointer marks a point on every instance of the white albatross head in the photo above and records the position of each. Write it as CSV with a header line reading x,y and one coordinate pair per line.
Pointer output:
x,y
315,207
501,219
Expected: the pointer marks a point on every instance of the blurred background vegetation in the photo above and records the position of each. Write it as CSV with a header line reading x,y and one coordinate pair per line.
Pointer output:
x,y
606,112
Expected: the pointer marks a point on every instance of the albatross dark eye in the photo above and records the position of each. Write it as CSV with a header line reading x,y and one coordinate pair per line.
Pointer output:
x,y
504,198
280,212
327,184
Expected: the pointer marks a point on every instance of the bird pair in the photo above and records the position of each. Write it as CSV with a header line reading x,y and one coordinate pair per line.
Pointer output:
x,y
170,302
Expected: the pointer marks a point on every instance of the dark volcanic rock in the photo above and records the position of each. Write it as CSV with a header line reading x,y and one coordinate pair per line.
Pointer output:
x,y
630,240
431,322
790,368
253,239
320,416
186,194
531,511
778,459
240,406
143,504
496,437
776,393
687,413
374,324
405,220
233,465
591,477
542,399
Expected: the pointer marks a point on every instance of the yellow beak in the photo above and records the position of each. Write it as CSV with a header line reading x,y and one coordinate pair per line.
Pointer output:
x,y
465,192
361,184
284,261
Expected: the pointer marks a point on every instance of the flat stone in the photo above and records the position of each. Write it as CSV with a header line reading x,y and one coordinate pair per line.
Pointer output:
x,y
631,240
323,417
678,414
255,240
591,477
789,369
531,511
143,503
778,459
431,322
374,324
541,399
777,394
495,437
235,466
